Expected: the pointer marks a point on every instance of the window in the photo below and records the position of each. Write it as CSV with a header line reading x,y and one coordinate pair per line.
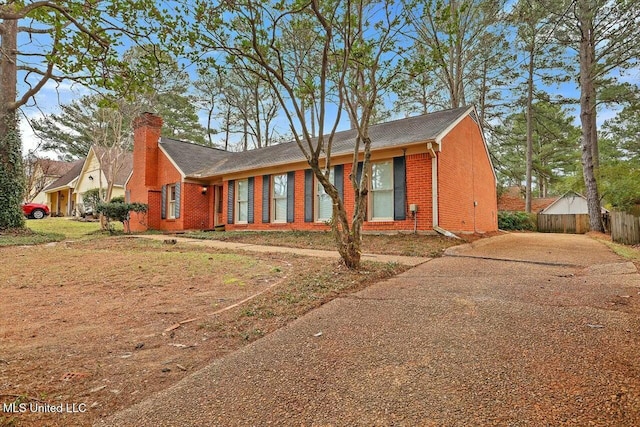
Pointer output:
x,y
381,201
171,202
242,201
279,198
324,204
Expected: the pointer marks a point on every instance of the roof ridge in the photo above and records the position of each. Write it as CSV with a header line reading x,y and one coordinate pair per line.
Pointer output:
x,y
167,139
390,122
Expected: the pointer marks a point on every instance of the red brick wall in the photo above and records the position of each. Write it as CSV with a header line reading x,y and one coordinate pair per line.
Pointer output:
x,y
418,177
168,175
145,153
153,216
195,207
467,192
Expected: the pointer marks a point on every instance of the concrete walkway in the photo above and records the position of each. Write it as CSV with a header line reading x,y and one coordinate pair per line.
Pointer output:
x,y
520,329
404,260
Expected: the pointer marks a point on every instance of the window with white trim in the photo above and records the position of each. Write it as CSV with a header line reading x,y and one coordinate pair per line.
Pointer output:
x,y
171,201
242,201
324,204
381,193
279,198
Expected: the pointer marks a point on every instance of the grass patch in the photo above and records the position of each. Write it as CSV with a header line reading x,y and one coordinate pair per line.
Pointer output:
x,y
628,252
28,237
72,229
631,253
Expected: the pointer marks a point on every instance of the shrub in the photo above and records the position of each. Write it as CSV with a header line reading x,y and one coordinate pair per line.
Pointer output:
x,y
119,211
91,198
119,199
516,221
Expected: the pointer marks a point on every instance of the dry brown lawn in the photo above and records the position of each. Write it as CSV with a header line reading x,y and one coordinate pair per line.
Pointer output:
x,y
390,244
104,323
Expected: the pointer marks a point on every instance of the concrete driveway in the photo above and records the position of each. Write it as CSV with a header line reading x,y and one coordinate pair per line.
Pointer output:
x,y
519,330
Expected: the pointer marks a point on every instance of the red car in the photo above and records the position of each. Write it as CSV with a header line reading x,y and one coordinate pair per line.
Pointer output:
x,y
35,210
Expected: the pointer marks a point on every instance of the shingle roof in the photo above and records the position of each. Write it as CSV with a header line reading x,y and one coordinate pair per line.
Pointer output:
x,y
195,160
125,169
191,158
65,179
55,168
512,200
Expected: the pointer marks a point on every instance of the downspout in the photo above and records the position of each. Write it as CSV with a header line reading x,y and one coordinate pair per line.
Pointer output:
x,y
434,188
434,183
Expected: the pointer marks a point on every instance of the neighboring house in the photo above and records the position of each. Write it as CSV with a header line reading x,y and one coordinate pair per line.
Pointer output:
x,y
570,203
99,164
429,172
512,200
60,194
65,195
40,174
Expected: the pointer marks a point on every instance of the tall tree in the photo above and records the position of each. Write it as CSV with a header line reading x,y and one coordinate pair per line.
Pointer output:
x,y
620,162
165,91
241,103
534,29
356,41
73,40
208,88
554,148
160,87
460,41
416,89
606,37
112,140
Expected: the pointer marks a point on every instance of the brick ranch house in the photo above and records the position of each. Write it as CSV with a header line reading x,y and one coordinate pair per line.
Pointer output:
x,y
431,172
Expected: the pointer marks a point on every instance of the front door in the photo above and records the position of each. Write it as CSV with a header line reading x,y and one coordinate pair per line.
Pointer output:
x,y
217,205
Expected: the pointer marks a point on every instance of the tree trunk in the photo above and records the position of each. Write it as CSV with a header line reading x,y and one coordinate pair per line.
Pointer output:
x,y
11,170
529,155
348,234
8,82
245,137
595,151
209,129
226,129
347,237
588,122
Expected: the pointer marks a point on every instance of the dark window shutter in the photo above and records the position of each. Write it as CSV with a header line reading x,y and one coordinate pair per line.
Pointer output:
x,y
338,177
308,195
399,185
290,196
250,200
230,200
266,197
176,212
359,173
163,204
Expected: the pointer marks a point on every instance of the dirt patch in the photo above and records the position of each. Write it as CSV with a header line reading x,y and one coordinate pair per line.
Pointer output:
x,y
97,326
420,245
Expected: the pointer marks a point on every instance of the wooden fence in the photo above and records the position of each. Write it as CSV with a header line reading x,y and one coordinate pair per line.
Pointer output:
x,y
625,228
575,224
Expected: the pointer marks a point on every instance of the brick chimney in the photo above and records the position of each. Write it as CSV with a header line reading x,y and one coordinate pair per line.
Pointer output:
x,y
146,134
142,186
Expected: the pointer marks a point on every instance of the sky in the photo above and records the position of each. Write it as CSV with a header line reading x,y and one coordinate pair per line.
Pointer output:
x,y
52,94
